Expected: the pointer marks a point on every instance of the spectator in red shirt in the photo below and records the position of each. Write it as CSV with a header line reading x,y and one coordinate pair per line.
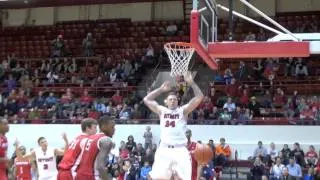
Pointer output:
x,y
66,100
86,100
244,99
314,104
67,97
205,108
307,115
117,99
232,89
311,157
93,114
123,152
279,100
91,69
212,94
22,99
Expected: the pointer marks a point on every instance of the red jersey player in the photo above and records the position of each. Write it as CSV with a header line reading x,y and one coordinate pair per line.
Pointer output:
x,y
72,156
22,166
96,150
4,128
191,147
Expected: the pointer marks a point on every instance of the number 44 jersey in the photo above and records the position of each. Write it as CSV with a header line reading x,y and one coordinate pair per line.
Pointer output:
x,y
173,126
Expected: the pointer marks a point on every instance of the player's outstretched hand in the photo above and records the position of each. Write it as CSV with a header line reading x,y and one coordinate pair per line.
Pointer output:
x,y
64,136
188,77
166,86
16,143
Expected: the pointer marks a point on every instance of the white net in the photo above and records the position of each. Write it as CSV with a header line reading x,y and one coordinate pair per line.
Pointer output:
x,y
179,54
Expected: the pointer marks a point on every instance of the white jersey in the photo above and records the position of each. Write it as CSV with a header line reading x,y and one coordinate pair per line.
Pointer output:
x,y
173,126
46,163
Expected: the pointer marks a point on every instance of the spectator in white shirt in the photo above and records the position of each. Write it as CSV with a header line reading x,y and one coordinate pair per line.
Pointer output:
x,y
250,37
127,68
276,170
113,76
150,51
230,105
52,77
114,151
272,153
171,29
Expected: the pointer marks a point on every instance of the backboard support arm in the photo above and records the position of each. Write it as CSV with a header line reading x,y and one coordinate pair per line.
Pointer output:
x,y
249,19
269,19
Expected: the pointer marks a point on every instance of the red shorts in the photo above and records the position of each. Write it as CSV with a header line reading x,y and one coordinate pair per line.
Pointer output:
x,y
84,177
64,175
3,174
24,177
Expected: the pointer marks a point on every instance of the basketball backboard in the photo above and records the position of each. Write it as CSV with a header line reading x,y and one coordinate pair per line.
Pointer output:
x,y
204,22
208,20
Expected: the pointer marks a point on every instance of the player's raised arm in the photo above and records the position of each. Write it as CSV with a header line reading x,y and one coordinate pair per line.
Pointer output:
x,y
60,152
105,146
30,155
150,101
195,101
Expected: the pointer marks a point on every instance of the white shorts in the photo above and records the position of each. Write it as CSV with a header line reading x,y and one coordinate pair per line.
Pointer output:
x,y
168,161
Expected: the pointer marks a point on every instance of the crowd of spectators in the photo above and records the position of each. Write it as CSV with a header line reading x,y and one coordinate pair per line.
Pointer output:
x,y
253,91
239,103
65,89
285,163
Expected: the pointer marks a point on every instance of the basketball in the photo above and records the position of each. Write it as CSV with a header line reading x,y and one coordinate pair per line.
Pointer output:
x,y
203,153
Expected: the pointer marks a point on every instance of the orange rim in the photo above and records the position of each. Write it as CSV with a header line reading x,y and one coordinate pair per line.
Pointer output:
x,y
183,44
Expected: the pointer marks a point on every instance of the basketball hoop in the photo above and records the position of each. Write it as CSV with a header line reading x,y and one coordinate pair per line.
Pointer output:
x,y
179,54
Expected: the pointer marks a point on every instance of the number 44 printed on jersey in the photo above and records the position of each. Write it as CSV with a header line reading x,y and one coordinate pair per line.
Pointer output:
x,y
170,124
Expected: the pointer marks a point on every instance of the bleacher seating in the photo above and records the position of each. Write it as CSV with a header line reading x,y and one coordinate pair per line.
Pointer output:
x,y
120,38
113,37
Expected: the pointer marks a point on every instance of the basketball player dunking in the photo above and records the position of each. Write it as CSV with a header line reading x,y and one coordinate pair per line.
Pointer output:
x,y
46,158
4,128
95,152
172,158
72,156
